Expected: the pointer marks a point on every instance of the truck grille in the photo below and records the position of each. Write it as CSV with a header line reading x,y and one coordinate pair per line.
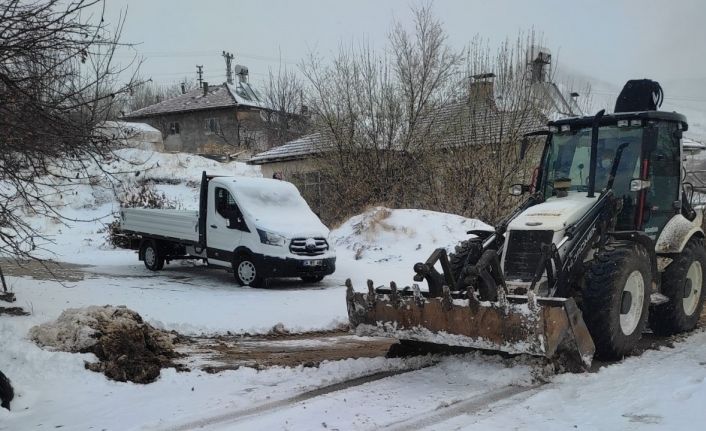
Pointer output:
x,y
308,246
524,252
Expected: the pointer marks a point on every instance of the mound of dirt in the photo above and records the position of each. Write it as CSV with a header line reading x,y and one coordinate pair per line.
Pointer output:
x,y
128,349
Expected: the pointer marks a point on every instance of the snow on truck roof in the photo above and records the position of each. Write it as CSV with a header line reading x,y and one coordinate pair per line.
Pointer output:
x,y
275,205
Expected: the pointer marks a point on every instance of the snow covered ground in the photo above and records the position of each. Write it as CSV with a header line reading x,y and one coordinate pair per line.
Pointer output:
x,y
660,389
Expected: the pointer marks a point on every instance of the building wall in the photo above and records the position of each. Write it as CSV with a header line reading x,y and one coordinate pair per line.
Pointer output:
x,y
288,168
235,129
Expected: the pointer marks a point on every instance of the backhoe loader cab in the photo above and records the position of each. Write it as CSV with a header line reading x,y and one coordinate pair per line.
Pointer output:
x,y
607,242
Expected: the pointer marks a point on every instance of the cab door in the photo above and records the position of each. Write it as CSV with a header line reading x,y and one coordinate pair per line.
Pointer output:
x,y
664,175
224,225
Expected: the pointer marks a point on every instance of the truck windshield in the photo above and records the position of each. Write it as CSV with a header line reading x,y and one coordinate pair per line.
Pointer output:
x,y
569,158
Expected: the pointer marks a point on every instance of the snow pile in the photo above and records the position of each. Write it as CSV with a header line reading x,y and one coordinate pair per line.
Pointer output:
x,y
381,234
127,347
93,202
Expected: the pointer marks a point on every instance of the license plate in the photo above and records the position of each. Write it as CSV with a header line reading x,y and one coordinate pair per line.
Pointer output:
x,y
313,263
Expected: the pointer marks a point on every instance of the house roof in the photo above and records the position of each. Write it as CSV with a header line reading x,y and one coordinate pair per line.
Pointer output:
x,y
482,123
293,150
219,96
455,125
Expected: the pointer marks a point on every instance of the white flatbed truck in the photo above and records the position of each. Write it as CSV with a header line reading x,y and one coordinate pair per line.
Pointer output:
x,y
262,228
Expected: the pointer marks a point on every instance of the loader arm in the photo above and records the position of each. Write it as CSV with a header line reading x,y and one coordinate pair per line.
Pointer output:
x,y
589,231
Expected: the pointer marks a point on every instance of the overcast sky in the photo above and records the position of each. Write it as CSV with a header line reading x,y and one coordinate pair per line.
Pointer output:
x,y
611,41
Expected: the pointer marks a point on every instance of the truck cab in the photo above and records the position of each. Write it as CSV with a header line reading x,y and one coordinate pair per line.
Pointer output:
x,y
265,229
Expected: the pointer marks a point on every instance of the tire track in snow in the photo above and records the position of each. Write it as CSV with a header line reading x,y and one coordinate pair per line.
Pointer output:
x,y
470,405
243,414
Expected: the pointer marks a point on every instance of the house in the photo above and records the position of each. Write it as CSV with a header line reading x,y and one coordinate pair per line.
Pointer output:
x,y
218,119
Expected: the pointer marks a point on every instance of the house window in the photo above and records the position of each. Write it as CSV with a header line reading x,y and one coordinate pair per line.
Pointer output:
x,y
174,128
212,126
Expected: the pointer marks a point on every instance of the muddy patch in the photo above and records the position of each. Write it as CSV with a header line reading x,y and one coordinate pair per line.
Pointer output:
x,y
43,270
214,354
127,348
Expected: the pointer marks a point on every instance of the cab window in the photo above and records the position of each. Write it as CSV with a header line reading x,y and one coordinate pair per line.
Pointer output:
x,y
228,209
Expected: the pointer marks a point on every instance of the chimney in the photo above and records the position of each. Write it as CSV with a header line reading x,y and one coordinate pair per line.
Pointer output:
x,y
481,89
205,88
539,59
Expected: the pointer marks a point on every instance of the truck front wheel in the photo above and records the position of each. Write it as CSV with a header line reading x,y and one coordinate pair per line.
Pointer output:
x,y
152,256
246,271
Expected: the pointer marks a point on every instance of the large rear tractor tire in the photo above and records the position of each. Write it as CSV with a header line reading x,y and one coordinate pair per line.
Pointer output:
x,y
247,272
152,255
617,297
684,284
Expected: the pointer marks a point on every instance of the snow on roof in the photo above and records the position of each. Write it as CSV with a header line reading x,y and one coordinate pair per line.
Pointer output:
x,y
692,143
297,149
246,94
130,131
219,96
126,125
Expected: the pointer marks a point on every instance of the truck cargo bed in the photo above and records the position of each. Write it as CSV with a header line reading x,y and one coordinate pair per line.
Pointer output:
x,y
173,224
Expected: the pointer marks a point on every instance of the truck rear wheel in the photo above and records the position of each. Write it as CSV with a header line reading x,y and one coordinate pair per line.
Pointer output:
x,y
152,256
616,298
683,283
246,271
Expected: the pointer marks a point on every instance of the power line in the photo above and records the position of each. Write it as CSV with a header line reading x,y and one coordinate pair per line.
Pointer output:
x,y
181,54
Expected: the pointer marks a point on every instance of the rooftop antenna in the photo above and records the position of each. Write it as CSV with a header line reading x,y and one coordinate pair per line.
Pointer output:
x,y
199,71
229,71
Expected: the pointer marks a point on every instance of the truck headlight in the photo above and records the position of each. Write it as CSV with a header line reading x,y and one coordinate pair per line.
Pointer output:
x,y
271,238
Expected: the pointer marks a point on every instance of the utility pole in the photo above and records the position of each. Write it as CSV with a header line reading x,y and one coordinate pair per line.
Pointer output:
x,y
200,73
229,71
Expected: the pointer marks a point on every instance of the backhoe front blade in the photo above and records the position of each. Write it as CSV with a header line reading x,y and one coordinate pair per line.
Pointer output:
x,y
514,324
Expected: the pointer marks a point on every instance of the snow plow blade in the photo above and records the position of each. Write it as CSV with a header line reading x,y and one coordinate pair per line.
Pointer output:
x,y
514,324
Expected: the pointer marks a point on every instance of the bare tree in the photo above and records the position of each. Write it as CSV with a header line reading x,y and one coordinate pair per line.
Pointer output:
x,y
148,93
500,103
57,82
286,116
425,126
375,113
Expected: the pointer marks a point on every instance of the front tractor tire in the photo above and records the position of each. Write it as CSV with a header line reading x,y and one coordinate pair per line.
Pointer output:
x,y
616,298
247,272
684,284
466,252
152,255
